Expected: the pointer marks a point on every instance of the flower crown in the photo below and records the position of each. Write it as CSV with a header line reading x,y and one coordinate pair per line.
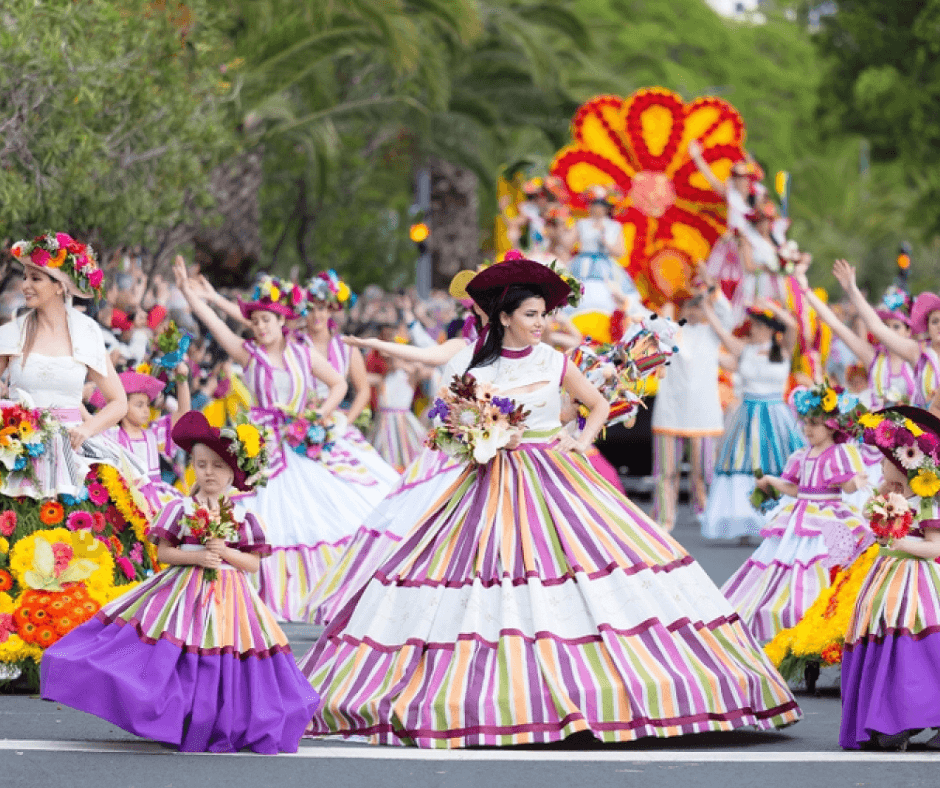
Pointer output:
x,y
62,252
576,291
327,286
838,409
250,445
272,290
897,300
911,447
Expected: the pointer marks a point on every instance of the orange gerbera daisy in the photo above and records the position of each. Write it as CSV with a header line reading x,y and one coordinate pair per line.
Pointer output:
x,y
28,632
65,624
51,513
6,580
45,637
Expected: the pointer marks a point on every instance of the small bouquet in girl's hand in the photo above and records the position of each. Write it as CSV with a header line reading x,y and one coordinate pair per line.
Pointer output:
x,y
309,434
169,351
204,526
472,424
889,516
763,500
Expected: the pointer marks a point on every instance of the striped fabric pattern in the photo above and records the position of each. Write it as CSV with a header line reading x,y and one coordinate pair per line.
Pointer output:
x,y
532,601
927,375
398,437
900,598
888,387
290,574
763,434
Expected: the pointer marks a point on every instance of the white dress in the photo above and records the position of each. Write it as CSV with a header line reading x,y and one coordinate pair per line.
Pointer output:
x,y
594,268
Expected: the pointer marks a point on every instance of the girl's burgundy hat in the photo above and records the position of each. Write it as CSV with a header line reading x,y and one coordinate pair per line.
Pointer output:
x,y
924,304
193,428
488,287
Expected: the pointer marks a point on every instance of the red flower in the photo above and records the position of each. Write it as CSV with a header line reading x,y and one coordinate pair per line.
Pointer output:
x,y
51,513
6,580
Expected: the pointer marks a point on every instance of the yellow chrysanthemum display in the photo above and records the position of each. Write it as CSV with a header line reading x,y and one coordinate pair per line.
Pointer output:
x,y
128,501
250,438
23,553
16,650
6,603
4,545
926,483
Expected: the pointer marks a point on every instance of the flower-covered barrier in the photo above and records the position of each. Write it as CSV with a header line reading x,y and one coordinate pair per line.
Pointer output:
x,y
670,215
61,560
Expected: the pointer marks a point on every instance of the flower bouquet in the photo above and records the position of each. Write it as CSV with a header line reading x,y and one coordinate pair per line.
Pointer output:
x,y
203,525
889,516
23,435
472,424
251,446
762,500
308,434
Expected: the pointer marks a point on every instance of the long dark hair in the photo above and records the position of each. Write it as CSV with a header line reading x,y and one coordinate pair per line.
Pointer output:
x,y
488,351
775,355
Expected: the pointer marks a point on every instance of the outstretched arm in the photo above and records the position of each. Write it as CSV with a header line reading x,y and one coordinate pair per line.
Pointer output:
x,y
731,343
230,342
695,152
862,349
432,356
907,348
211,296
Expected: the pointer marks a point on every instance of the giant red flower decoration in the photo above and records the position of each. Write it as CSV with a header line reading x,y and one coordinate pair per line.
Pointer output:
x,y
670,215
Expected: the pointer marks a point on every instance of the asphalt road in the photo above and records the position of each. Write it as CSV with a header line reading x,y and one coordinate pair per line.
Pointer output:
x,y
44,745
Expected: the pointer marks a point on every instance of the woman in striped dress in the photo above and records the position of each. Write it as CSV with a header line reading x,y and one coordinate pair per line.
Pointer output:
x,y
891,656
815,532
763,432
185,659
530,600
310,507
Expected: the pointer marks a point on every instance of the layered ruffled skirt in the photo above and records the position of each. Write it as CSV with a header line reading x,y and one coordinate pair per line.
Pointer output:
x,y
197,665
891,658
763,434
531,601
803,542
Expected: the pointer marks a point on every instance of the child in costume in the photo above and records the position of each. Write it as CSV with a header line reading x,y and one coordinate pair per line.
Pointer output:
x,y
188,659
813,533
148,439
398,436
891,656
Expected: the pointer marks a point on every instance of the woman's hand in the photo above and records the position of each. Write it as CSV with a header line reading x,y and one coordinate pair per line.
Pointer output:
x,y
78,435
515,438
569,444
362,342
844,272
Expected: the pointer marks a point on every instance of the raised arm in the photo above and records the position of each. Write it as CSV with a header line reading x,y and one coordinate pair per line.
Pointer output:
x,y
230,342
731,343
862,349
211,296
432,356
695,152
907,348
184,396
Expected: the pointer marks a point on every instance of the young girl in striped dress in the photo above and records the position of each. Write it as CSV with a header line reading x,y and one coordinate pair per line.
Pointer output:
x,y
891,655
814,533
529,600
184,659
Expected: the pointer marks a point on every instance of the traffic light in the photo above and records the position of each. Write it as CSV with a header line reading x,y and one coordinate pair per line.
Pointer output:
x,y
904,261
419,234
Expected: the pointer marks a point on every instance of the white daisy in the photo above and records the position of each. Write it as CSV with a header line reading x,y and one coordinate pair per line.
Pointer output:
x,y
909,456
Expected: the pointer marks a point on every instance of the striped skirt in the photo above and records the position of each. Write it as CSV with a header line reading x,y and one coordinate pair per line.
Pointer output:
x,y
398,437
791,567
532,601
891,658
763,434
201,666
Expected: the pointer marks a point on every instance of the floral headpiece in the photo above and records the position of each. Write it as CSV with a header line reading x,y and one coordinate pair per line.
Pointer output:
x,y
272,294
789,254
895,305
327,286
839,410
913,450
577,287
607,194
62,257
250,446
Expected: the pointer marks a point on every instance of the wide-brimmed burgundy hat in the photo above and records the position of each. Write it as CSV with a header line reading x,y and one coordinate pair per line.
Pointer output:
x,y
924,304
922,418
489,286
193,428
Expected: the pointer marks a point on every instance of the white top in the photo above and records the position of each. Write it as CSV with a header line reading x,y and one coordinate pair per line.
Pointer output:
x,y
397,392
86,335
737,209
47,381
282,386
687,402
590,234
541,370
759,377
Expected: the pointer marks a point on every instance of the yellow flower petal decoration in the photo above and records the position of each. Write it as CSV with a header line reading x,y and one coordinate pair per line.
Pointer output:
x,y
871,420
4,545
830,401
342,293
926,483
57,259
913,428
275,293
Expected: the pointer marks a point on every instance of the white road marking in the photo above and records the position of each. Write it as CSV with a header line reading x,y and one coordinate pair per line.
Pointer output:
x,y
352,752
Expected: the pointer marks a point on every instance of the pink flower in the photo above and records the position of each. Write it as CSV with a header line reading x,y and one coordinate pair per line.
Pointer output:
x,y
97,494
7,522
63,239
63,556
99,522
126,567
40,257
82,262
7,626
79,520
137,553
513,254
96,277
884,435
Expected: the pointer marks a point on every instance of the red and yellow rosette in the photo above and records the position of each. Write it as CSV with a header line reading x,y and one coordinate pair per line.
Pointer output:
x,y
670,215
